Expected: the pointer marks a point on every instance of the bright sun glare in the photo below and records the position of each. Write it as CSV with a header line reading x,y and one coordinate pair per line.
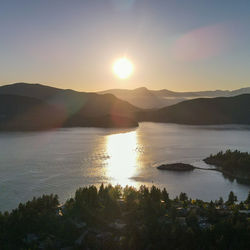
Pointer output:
x,y
122,163
123,68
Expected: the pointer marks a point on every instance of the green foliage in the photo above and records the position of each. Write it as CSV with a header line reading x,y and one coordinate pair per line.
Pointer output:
x,y
247,201
230,159
183,197
113,217
231,198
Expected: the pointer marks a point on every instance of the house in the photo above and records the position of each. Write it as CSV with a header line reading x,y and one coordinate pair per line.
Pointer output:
x,y
78,224
80,240
30,238
60,210
181,221
117,225
203,223
181,211
247,212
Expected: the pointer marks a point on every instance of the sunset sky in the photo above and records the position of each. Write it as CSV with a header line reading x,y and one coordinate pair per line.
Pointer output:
x,y
178,45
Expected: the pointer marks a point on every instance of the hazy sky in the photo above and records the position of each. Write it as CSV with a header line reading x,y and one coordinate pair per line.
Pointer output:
x,y
174,44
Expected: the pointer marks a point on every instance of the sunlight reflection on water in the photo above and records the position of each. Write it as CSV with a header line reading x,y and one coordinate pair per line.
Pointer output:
x,y
122,163
63,160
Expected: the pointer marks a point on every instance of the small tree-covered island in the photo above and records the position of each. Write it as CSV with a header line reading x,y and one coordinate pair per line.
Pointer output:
x,y
234,164
176,167
112,217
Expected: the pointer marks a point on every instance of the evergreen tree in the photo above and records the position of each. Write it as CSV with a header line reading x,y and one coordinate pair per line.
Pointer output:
x,y
247,201
231,198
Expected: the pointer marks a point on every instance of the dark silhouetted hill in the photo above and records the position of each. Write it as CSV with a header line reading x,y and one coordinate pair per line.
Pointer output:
x,y
72,101
26,113
204,111
74,108
37,91
33,106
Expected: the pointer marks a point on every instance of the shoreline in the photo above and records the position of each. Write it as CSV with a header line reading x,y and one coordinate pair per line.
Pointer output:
x,y
183,167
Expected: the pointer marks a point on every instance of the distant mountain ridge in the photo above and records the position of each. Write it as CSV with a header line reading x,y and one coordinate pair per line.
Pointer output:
x,y
36,107
153,99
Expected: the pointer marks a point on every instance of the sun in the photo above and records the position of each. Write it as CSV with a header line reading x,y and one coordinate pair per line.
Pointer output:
x,y
123,68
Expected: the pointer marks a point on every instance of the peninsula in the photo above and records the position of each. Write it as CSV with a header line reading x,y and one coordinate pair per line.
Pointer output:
x,y
235,164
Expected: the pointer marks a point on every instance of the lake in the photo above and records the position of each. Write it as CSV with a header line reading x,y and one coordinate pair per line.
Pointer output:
x,y
60,161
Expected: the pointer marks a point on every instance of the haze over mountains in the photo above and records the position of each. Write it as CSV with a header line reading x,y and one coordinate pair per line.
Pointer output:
x,y
145,98
35,107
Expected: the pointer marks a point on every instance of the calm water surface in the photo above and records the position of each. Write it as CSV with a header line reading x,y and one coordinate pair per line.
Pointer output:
x,y
61,161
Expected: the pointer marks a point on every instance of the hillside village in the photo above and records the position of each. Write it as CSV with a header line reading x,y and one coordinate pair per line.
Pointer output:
x,y
113,217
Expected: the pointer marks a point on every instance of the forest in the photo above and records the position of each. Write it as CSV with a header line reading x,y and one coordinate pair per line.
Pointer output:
x,y
112,217
232,163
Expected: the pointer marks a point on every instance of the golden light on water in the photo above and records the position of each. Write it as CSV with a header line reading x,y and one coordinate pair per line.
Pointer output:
x,y
122,163
123,68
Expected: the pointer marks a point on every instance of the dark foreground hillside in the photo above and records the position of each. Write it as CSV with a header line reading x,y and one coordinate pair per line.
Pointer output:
x,y
203,111
126,218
